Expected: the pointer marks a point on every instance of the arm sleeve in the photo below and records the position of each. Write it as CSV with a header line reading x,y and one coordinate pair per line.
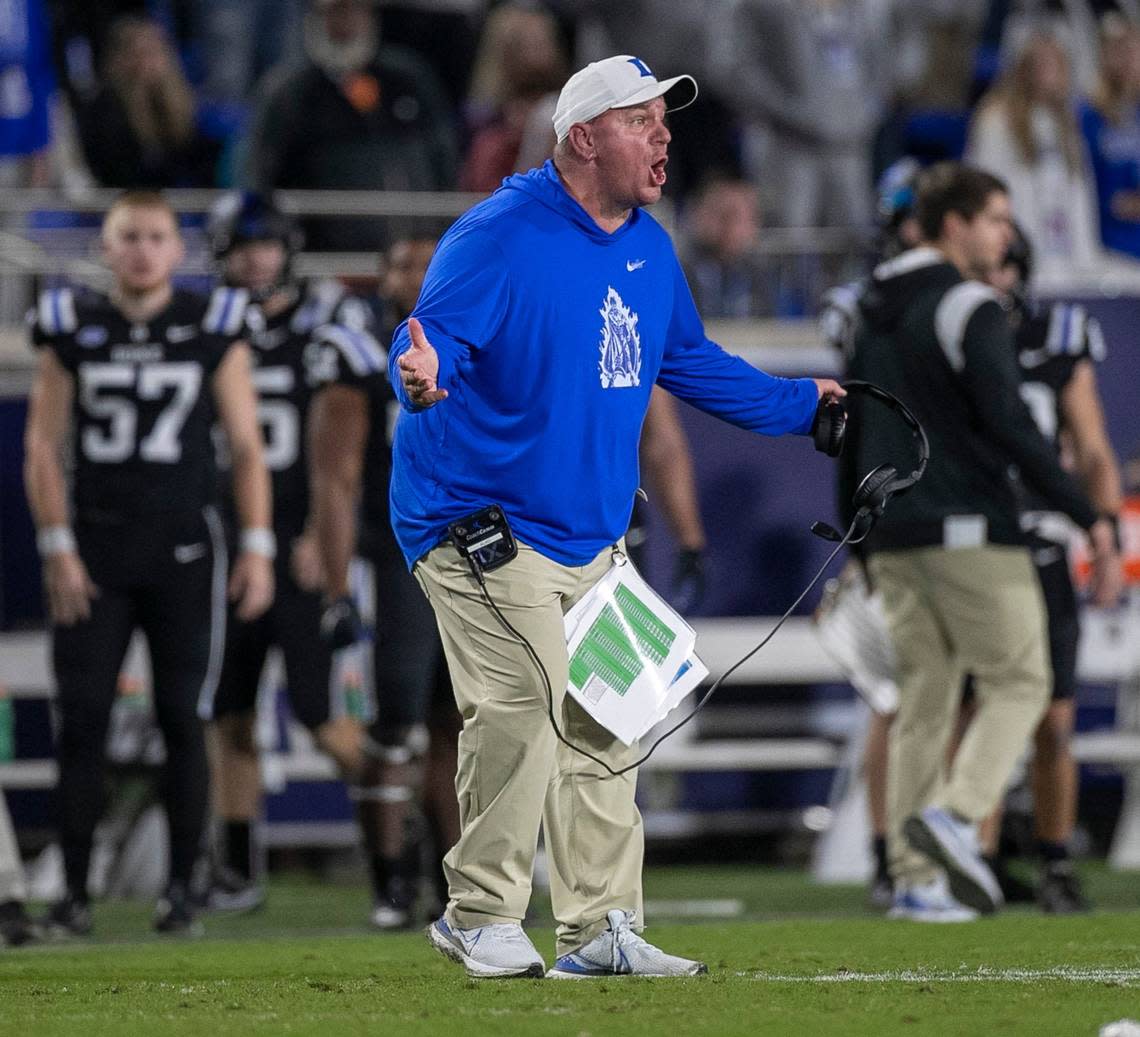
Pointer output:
x,y
991,378
462,305
700,372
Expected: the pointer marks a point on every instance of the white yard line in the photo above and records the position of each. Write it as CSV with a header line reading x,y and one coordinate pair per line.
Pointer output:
x,y
1064,973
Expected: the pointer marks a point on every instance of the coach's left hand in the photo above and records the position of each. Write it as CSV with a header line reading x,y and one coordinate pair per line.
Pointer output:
x,y
251,585
829,389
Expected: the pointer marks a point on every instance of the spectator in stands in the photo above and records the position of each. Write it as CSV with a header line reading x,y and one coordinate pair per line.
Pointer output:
x,y
810,77
1026,133
25,130
519,62
1111,125
357,114
140,128
445,33
726,277
28,83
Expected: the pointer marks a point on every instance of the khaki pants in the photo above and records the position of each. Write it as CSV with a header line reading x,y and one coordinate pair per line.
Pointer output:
x,y
950,613
513,772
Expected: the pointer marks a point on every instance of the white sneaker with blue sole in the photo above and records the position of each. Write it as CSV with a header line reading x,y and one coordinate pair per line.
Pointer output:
x,y
619,951
497,951
954,844
931,902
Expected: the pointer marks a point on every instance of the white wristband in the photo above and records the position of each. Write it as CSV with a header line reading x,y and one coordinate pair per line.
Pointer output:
x,y
55,540
259,541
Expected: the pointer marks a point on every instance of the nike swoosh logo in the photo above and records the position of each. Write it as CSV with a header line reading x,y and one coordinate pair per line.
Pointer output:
x,y
189,552
634,264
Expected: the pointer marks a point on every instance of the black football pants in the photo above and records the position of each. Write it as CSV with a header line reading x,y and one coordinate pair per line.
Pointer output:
x,y
167,578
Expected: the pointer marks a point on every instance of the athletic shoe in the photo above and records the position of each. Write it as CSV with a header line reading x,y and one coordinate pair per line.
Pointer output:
x,y
394,907
954,844
498,951
619,951
174,913
931,902
1060,891
16,927
389,916
68,917
1015,890
232,893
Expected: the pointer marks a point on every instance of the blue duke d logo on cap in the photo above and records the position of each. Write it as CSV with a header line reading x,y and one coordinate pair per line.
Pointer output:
x,y
620,348
642,68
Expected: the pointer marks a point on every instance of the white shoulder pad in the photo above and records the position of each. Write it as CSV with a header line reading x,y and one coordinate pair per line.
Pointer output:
x,y
225,314
1068,329
56,312
321,299
363,354
839,317
352,312
1094,337
953,314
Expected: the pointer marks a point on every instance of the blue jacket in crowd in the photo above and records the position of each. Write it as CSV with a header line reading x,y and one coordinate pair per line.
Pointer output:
x,y
1115,152
550,334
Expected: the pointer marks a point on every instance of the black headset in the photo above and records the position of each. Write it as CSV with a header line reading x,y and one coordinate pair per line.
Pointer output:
x,y
878,486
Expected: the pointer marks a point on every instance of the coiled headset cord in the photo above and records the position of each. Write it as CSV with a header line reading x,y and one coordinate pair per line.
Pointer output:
x,y
846,539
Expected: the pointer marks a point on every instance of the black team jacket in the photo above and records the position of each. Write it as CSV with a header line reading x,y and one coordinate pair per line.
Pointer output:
x,y
942,344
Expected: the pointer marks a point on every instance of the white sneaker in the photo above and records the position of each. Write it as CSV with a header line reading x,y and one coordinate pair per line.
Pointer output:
x,y
619,951
498,951
929,903
386,917
954,845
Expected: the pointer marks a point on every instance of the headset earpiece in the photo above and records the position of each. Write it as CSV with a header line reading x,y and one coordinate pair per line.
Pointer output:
x,y
880,484
829,428
875,489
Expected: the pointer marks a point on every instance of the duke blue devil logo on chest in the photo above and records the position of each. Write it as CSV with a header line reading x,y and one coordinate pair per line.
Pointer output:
x,y
620,346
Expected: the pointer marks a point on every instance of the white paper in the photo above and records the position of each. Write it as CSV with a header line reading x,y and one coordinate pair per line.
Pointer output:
x,y
631,655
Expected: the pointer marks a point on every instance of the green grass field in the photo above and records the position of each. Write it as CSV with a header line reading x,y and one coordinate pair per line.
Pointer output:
x,y
798,959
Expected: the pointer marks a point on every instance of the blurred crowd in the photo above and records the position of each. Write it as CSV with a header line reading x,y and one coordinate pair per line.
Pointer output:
x,y
803,105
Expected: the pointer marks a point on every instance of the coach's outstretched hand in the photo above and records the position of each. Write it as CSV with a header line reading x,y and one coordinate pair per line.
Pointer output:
x,y
419,368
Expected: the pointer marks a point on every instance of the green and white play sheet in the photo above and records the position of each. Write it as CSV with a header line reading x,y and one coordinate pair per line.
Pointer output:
x,y
632,659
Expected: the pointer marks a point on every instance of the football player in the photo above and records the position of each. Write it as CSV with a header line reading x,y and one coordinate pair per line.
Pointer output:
x,y
1058,346
130,383
295,329
411,746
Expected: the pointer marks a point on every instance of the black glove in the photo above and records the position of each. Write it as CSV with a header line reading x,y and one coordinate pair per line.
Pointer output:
x,y
341,624
687,587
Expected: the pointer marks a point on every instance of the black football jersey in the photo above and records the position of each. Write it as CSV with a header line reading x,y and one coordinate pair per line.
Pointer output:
x,y
1050,342
291,360
143,406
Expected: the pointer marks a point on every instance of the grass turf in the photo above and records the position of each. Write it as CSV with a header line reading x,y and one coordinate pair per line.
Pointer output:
x,y
799,960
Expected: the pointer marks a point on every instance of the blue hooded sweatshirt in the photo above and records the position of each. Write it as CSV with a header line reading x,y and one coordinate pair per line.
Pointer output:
x,y
550,334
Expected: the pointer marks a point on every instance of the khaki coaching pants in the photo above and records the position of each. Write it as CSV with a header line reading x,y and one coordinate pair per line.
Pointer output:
x,y
513,772
950,613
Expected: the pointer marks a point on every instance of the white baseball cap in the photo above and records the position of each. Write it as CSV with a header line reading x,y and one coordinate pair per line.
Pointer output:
x,y
618,82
